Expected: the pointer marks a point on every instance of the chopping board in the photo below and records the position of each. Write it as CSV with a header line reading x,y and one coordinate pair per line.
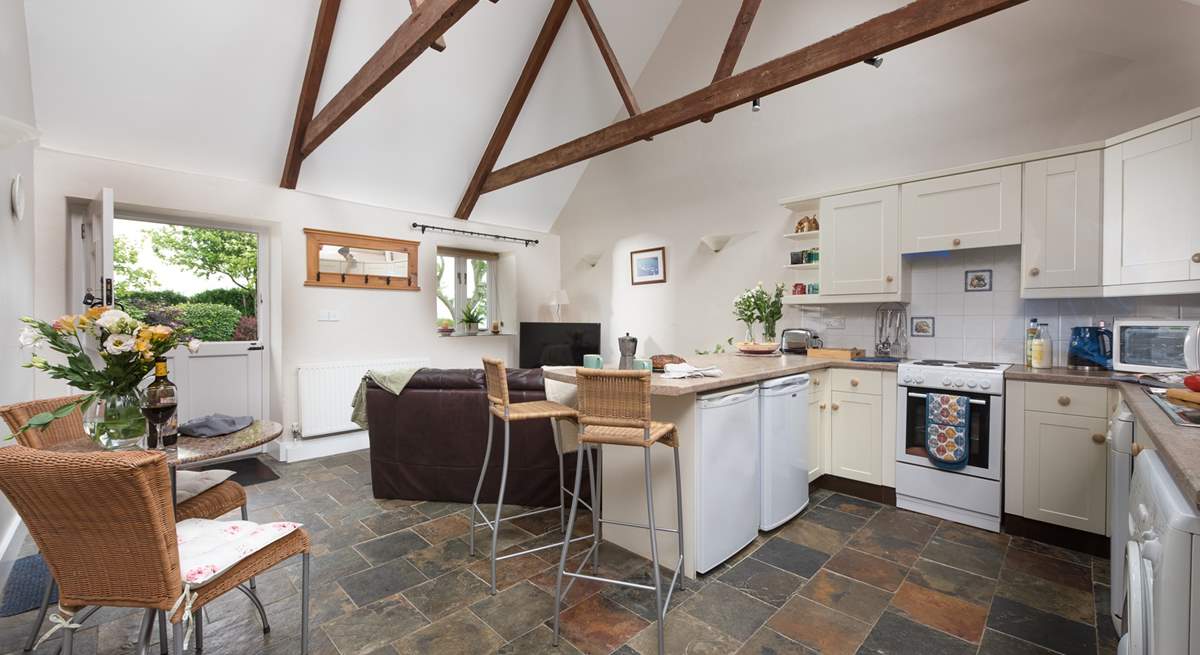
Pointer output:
x,y
1185,395
836,353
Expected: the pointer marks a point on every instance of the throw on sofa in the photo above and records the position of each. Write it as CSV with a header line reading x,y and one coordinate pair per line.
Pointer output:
x,y
427,443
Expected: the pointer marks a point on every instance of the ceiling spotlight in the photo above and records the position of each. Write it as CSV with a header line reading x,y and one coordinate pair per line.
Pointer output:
x,y
874,61
756,104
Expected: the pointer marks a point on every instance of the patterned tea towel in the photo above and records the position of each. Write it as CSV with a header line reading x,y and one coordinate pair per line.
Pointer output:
x,y
947,418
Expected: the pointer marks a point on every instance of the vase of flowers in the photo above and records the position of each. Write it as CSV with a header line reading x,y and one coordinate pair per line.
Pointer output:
x,y
106,354
758,305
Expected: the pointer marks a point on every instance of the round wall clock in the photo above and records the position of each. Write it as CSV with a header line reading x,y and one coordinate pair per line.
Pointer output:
x,y
17,198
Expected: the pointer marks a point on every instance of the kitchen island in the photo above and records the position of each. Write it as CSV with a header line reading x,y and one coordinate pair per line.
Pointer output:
x,y
675,400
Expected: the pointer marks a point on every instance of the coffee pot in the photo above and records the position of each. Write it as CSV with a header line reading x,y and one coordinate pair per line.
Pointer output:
x,y
628,347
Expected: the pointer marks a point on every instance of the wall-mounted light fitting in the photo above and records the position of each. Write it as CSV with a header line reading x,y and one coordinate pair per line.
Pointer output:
x,y
715,242
756,104
591,260
874,61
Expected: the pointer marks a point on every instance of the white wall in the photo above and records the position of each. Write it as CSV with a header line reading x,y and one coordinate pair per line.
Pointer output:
x,y
374,323
16,239
1035,77
985,326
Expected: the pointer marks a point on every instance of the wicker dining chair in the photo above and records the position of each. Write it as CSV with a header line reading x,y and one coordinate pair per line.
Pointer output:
x,y
104,523
212,503
614,409
499,407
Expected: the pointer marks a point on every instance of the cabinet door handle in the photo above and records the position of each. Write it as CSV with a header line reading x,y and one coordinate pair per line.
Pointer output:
x,y
816,383
1136,449
854,382
1033,272
822,405
1064,400
889,278
958,242
835,407
1098,438
1196,258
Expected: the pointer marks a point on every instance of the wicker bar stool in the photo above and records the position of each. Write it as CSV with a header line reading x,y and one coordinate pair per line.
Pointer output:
x,y
499,407
614,409
211,503
105,524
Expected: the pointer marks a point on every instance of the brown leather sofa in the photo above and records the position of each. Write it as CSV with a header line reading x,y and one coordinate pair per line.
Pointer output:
x,y
427,443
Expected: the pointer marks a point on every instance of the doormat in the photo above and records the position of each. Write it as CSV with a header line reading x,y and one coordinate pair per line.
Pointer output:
x,y
246,472
25,586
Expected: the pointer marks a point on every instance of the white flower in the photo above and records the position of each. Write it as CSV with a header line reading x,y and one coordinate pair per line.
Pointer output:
x,y
116,344
31,338
193,346
110,319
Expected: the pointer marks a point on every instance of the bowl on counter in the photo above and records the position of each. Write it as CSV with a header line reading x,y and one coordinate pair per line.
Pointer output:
x,y
756,348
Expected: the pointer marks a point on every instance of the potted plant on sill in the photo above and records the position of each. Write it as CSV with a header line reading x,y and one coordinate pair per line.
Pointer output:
x,y
471,316
755,306
445,327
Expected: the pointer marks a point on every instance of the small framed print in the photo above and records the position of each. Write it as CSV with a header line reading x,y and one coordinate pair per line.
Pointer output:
x,y
978,280
648,266
922,326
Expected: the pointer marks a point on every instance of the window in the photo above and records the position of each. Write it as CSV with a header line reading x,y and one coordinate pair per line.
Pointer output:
x,y
466,289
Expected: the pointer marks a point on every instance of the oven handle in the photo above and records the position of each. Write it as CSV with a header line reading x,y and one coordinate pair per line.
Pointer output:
x,y
925,395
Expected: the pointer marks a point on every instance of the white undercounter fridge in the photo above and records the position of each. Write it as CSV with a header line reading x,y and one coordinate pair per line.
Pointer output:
x,y
727,489
783,404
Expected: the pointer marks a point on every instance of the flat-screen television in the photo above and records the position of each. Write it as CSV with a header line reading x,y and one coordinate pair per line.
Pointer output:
x,y
558,344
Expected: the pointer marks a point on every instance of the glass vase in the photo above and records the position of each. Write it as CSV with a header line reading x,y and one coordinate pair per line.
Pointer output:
x,y
749,333
115,421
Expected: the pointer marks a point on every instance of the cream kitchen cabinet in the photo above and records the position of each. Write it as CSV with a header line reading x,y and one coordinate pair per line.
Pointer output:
x,y
1152,207
1066,470
1060,224
856,427
818,425
859,254
969,210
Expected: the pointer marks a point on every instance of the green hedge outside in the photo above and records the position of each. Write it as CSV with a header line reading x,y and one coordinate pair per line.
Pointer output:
x,y
210,321
241,299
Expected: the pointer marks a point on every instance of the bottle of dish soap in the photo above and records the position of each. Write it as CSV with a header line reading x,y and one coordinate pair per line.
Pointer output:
x,y
1042,349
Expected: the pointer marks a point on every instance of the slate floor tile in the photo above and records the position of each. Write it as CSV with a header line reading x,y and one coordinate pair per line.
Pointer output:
x,y
381,581
818,627
952,615
728,610
461,632
1041,628
516,610
847,524
790,556
851,505
953,582
762,581
1057,552
389,547
389,521
998,643
443,528
447,594
547,580
886,544
441,558
868,568
1056,570
846,595
434,509
768,642
896,634
509,571
1101,571
980,561
374,626
683,634
970,536
814,535
642,601
1106,633
598,626
538,640
1039,593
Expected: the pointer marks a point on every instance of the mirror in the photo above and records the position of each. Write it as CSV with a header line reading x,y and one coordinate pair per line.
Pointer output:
x,y
337,259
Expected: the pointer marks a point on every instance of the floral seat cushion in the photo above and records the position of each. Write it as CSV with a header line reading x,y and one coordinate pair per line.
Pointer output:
x,y
208,548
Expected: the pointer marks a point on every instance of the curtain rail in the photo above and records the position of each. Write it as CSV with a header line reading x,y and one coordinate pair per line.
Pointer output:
x,y
471,233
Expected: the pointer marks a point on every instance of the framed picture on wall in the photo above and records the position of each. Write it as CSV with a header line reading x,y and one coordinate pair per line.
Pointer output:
x,y
922,326
648,266
978,280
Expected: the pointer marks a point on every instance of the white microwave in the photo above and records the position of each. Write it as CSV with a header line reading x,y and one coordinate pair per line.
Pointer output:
x,y
1156,346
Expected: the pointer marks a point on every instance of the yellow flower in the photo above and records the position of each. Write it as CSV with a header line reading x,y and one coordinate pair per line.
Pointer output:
x,y
159,331
141,345
65,324
95,312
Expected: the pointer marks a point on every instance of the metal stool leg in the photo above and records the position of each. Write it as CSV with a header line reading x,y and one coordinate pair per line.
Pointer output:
x,y
678,515
658,604
41,615
304,605
245,517
162,632
562,558
198,621
562,505
487,455
598,505
68,643
592,470
144,632
177,637
500,503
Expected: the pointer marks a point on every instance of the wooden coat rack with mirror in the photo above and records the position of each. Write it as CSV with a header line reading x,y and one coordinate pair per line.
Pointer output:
x,y
338,259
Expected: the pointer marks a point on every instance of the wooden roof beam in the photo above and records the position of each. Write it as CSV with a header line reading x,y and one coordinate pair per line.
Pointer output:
x,y
610,58
318,53
440,43
733,45
912,22
430,20
516,100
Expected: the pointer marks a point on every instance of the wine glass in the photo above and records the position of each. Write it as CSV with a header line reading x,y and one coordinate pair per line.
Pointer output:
x,y
158,406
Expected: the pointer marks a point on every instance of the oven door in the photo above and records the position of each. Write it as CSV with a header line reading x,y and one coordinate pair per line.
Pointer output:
x,y
984,434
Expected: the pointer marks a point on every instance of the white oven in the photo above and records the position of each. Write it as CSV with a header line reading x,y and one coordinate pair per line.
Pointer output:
x,y
971,494
1156,346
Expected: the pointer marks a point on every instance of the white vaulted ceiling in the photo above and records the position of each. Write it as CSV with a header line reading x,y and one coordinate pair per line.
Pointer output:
x,y
211,87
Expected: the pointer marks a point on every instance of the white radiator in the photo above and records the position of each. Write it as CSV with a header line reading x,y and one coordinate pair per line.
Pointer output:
x,y
326,391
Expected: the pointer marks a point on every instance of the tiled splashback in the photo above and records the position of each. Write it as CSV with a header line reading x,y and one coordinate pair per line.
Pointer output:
x,y
982,326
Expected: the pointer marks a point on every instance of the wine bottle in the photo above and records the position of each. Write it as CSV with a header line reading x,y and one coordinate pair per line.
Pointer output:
x,y
162,400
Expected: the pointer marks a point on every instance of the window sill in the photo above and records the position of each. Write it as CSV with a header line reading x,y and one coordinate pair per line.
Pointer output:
x,y
481,334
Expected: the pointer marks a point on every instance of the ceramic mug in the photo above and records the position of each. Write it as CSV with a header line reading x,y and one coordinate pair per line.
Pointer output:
x,y
643,365
593,361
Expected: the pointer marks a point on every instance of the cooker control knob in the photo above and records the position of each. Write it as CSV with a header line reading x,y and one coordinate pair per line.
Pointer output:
x,y
919,379
946,382
908,378
984,384
971,383
958,382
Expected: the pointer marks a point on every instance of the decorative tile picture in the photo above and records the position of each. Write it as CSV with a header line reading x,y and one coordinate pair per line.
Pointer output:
x,y
922,326
978,280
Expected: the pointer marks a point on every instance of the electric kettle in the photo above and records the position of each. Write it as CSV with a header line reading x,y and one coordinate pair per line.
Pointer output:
x,y
1091,348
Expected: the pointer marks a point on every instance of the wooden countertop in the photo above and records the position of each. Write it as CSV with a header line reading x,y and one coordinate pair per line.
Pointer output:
x,y
736,370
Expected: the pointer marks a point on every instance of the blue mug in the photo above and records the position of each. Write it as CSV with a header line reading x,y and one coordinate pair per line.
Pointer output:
x,y
593,361
643,365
